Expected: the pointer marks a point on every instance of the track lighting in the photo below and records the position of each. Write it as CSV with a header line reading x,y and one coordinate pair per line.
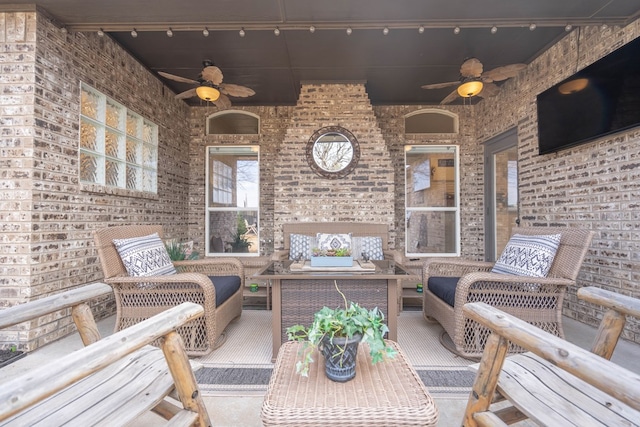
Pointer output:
x,y
169,32
421,29
349,31
205,32
100,33
532,26
276,31
241,32
134,33
456,30
494,29
312,29
385,31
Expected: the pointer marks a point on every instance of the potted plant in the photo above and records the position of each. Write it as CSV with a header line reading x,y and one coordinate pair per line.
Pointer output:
x,y
340,257
336,333
240,243
180,251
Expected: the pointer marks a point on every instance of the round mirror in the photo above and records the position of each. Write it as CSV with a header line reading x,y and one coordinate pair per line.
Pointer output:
x,y
333,152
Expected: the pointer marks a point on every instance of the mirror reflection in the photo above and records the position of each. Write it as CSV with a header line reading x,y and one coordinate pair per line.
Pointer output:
x,y
332,152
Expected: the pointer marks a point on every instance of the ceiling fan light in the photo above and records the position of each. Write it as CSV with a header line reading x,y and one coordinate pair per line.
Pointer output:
x,y
208,93
470,88
573,86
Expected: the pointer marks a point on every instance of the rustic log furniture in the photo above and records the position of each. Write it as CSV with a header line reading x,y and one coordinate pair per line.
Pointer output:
x,y
533,299
135,303
556,383
112,381
388,393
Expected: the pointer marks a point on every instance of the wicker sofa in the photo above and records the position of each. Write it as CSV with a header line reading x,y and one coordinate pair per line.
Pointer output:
x,y
135,303
535,300
357,229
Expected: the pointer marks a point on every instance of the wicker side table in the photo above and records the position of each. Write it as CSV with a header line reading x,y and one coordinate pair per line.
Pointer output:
x,y
384,394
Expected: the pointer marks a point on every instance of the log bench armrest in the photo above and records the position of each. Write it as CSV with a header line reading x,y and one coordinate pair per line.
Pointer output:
x,y
555,383
113,380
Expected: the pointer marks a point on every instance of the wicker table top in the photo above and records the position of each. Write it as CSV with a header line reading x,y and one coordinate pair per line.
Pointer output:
x,y
384,394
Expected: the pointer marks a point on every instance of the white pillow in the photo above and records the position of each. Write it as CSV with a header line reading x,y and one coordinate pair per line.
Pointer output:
x,y
144,256
333,241
300,244
369,245
527,255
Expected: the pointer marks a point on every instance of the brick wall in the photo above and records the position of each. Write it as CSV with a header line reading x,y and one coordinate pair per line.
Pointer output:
x,y
595,185
365,195
46,215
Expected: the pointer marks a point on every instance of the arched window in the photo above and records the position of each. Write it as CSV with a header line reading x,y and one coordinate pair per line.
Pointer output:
x,y
431,121
233,122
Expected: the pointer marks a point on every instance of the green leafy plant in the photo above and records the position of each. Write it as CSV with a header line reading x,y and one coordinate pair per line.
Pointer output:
x,y
239,243
331,252
179,252
342,322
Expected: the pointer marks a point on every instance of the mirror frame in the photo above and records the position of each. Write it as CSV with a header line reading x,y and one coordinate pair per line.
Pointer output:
x,y
355,146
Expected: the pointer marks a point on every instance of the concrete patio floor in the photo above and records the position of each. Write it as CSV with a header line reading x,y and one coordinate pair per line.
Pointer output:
x,y
240,411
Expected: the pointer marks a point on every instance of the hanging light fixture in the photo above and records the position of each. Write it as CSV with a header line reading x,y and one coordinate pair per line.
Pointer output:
x,y
470,88
208,93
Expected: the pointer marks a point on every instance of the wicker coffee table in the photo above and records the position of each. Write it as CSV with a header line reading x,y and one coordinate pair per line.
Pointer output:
x,y
384,394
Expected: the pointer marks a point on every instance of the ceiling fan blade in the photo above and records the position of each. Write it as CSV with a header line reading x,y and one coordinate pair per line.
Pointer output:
x,y
212,74
186,94
236,90
472,67
489,90
176,78
505,72
451,97
440,85
223,102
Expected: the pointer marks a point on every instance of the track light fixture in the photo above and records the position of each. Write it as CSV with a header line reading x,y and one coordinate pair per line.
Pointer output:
x,y
241,32
456,30
205,32
312,29
349,31
494,29
385,30
134,33
276,31
169,32
100,33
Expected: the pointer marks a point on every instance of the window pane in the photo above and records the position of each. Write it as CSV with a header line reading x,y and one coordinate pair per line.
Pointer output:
x,y
113,115
233,232
112,173
88,168
133,177
89,104
88,136
431,180
112,144
149,155
431,232
133,125
133,151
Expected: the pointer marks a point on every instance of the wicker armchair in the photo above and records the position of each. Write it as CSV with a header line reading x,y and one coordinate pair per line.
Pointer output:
x,y
135,303
535,300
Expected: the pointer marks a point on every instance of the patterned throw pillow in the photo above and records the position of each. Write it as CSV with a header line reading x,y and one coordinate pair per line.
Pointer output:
x,y
369,245
333,241
144,256
528,255
300,244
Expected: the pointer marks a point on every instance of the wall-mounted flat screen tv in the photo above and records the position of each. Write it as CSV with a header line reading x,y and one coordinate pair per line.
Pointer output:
x,y
599,100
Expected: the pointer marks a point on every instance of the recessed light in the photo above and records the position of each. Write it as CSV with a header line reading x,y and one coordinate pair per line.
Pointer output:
x,y
100,32
349,31
276,31
421,29
494,29
456,30
205,32
169,32
241,32
532,26
312,29
385,30
134,33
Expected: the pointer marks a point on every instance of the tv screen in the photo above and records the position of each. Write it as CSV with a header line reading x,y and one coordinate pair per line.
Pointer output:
x,y
601,99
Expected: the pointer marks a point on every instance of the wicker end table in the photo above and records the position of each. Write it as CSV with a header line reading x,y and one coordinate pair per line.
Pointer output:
x,y
384,394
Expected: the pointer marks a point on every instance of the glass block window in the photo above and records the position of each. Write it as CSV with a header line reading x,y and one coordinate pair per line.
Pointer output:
x,y
118,148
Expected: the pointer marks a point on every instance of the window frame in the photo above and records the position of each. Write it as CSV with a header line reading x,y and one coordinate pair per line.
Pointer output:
x,y
426,148
128,146
209,209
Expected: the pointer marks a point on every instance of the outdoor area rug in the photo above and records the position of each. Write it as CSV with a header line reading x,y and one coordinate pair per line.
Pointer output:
x,y
242,366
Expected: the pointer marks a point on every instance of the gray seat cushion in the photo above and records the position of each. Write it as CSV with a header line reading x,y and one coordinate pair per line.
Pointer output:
x,y
225,287
444,288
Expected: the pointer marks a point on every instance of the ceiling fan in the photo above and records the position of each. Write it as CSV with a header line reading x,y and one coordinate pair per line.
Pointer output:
x,y
474,82
210,87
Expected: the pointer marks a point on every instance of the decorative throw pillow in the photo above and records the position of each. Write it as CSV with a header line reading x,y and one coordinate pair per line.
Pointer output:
x,y
144,256
333,241
300,244
528,255
368,246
